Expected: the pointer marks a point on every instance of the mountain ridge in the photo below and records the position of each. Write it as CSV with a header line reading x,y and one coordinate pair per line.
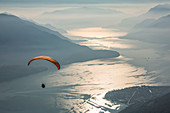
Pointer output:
x,y
155,12
21,40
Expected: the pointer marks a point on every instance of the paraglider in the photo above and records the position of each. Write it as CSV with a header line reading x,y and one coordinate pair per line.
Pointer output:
x,y
147,58
46,58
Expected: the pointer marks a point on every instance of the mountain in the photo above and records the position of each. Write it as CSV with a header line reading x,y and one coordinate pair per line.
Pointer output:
x,y
161,8
143,24
86,10
48,28
153,13
21,40
154,31
157,105
162,22
56,30
81,17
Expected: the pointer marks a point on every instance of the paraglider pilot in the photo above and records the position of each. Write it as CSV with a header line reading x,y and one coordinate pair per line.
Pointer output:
x,y
43,85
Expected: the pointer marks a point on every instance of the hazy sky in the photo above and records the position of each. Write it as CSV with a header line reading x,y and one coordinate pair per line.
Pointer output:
x,y
69,13
83,1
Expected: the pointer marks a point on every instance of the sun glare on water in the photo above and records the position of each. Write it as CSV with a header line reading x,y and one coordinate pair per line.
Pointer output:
x,y
100,38
96,32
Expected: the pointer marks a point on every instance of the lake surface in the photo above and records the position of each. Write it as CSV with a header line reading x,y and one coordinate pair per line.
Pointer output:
x,y
80,87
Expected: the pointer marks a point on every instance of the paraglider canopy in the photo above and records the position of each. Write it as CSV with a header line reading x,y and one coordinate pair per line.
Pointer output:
x,y
46,58
147,58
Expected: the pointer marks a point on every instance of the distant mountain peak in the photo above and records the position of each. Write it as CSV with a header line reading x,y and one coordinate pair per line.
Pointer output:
x,y
160,8
162,22
84,9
